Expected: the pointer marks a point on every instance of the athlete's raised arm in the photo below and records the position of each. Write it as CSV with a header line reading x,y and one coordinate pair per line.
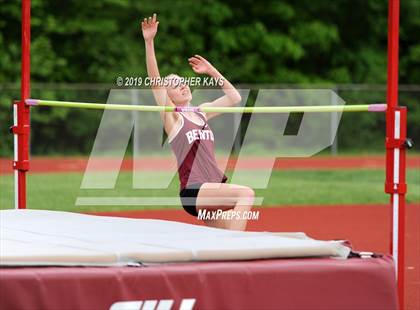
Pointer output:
x,y
232,97
149,28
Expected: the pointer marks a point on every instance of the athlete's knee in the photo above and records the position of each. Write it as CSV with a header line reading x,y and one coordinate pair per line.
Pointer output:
x,y
247,192
247,195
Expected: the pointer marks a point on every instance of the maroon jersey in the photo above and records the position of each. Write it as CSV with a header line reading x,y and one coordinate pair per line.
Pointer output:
x,y
193,146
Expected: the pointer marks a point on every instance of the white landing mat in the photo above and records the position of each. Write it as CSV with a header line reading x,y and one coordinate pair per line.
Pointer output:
x,y
43,238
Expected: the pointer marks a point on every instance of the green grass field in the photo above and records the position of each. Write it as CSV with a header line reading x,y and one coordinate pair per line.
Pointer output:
x,y
59,191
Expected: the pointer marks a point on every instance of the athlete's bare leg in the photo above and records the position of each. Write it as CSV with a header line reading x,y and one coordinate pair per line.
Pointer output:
x,y
229,198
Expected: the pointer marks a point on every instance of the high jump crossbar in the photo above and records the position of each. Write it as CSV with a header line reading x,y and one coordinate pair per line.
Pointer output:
x,y
395,142
146,108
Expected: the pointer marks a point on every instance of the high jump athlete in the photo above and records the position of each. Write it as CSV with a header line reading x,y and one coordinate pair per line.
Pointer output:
x,y
202,184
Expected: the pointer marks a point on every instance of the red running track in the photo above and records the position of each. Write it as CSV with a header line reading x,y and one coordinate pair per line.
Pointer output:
x,y
77,164
368,228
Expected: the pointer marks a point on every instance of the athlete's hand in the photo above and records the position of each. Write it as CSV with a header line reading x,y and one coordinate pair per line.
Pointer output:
x,y
200,65
149,27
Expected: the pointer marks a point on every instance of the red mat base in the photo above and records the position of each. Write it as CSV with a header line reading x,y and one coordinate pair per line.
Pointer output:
x,y
262,284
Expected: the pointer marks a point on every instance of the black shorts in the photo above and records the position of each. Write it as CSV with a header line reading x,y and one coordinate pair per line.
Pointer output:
x,y
189,198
